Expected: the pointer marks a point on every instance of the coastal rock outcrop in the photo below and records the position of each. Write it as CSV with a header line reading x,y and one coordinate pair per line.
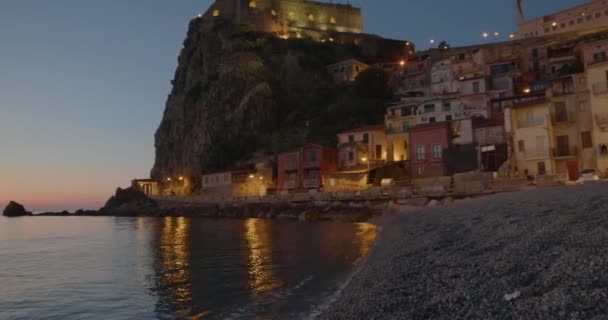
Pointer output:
x,y
14,209
238,93
129,201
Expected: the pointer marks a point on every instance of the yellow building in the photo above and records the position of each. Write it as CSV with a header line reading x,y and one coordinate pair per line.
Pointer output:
x,y
529,127
571,124
362,146
596,62
399,118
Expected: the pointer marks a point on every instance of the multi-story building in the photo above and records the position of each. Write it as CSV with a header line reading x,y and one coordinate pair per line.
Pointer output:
x,y
442,78
414,80
596,63
439,110
362,146
428,144
571,122
528,125
587,17
305,167
400,117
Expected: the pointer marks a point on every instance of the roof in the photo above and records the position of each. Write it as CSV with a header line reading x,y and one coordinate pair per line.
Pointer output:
x,y
376,127
530,103
347,61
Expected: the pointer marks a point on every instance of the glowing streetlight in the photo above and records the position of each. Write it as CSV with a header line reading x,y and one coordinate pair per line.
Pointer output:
x,y
407,43
432,41
496,34
511,36
168,179
251,176
402,63
364,159
527,90
181,178
554,24
485,34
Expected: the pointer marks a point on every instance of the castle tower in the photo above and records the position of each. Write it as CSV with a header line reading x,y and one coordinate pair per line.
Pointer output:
x,y
519,12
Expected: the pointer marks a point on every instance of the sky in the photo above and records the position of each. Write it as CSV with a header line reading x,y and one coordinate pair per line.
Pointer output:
x,y
83,83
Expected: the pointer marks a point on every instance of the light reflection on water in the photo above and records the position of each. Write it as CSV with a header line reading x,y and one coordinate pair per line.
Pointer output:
x,y
173,267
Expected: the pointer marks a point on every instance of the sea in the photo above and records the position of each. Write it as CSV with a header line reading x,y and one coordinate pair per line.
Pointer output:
x,y
175,267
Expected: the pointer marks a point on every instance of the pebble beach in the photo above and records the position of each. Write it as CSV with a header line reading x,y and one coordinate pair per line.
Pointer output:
x,y
536,254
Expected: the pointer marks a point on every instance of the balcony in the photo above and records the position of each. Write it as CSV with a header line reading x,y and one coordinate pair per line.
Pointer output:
x,y
563,118
290,184
600,88
311,164
564,152
536,154
311,183
538,122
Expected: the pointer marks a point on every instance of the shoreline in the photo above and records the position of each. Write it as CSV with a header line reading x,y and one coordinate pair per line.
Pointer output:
x,y
532,254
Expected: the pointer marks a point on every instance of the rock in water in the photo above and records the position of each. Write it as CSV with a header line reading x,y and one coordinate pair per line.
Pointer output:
x,y
129,201
14,209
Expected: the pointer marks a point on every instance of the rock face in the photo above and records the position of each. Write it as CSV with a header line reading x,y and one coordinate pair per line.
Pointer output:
x,y
14,209
237,93
129,201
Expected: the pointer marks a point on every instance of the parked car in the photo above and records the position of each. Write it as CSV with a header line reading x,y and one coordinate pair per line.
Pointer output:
x,y
589,175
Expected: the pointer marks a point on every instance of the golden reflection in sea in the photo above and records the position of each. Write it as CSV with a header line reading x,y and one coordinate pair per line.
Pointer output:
x,y
366,235
175,255
258,238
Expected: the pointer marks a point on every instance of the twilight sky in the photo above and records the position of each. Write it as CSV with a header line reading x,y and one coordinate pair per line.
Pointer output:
x,y
83,82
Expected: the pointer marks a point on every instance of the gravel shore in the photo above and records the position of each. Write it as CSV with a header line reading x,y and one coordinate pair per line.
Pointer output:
x,y
539,254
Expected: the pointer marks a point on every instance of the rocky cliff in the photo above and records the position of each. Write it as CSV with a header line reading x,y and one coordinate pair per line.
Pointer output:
x,y
238,93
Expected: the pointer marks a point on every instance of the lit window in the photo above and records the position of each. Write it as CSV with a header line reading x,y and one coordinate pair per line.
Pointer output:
x,y
216,13
252,4
420,171
332,20
290,14
274,13
311,17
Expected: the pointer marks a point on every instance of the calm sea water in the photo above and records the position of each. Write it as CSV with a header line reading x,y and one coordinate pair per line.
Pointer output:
x,y
166,268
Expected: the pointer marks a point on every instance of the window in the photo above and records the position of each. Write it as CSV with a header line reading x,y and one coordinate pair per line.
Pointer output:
x,y
311,17
206,180
366,137
419,171
563,25
561,113
586,139
420,153
432,120
378,151
476,87
351,138
226,177
535,53
589,17
252,4
571,22
216,13
446,107
599,56
429,108
579,20
350,156
332,20
598,14
406,111
405,126
448,117
520,146
437,151
536,67
313,155
541,168
582,106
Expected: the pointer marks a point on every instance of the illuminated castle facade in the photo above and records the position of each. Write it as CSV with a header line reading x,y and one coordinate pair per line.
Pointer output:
x,y
290,18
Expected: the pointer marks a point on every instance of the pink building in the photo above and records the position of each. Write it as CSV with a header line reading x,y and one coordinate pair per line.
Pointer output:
x,y
429,143
304,168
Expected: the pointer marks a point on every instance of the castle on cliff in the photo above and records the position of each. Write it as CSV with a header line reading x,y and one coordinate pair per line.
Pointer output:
x,y
290,18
